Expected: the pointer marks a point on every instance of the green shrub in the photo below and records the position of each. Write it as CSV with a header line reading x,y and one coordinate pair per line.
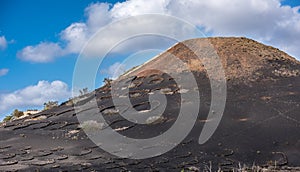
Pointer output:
x,y
7,118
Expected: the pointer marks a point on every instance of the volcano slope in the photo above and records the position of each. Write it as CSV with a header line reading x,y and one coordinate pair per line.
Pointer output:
x,y
260,125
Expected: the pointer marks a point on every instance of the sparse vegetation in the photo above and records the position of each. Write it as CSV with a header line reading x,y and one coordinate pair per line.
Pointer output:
x,y
110,111
83,91
154,119
70,102
107,81
17,113
50,104
7,118
91,125
14,115
32,110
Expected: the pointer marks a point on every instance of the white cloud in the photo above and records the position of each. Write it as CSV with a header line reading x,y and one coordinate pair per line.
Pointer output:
x,y
3,43
41,53
137,7
3,72
98,15
114,70
34,95
76,36
267,21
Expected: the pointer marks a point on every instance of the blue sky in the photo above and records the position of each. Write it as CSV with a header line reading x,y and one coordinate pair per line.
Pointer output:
x,y
31,22
293,3
38,49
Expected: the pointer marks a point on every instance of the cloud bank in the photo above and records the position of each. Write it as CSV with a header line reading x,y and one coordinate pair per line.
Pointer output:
x,y
34,95
267,21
